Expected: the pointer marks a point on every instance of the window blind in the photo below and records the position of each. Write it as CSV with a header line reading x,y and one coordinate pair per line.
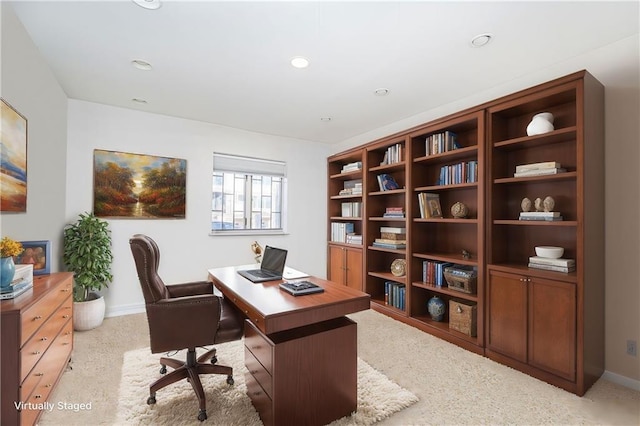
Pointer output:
x,y
248,165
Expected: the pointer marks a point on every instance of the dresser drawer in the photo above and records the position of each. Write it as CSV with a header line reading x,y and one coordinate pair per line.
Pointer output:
x,y
260,400
32,318
260,347
33,350
256,369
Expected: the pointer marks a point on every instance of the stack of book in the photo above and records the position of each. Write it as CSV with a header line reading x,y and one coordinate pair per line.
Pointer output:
x,y
441,142
354,239
22,282
394,294
351,167
394,212
392,237
538,169
392,155
352,187
549,264
352,209
540,216
454,174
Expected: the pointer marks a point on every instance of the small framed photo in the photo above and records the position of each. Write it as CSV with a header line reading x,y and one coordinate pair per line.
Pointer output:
x,y
433,206
37,253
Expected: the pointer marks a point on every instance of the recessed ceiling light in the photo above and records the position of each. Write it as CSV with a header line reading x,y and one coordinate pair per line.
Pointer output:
x,y
325,119
381,92
141,65
481,40
299,62
148,4
139,101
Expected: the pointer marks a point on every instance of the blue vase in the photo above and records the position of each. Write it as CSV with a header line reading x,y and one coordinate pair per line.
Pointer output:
x,y
7,271
436,308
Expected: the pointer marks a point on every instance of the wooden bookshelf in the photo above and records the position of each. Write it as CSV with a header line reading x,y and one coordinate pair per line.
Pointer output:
x,y
547,324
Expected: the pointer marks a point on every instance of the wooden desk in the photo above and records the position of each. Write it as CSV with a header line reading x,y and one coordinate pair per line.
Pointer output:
x,y
301,352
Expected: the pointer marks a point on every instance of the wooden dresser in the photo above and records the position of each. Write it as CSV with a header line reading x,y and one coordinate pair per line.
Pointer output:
x,y
37,340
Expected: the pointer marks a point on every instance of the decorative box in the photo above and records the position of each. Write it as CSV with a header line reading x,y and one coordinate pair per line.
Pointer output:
x,y
461,278
463,317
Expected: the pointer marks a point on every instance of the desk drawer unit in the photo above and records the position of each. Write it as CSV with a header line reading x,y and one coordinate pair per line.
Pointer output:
x,y
306,375
37,341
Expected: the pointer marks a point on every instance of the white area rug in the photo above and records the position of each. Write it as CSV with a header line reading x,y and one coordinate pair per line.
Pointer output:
x,y
177,404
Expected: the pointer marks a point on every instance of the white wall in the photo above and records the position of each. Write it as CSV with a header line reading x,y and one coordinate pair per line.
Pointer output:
x,y
187,249
29,86
617,67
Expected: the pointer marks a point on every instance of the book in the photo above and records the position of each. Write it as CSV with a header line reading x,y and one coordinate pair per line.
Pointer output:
x,y
539,214
543,218
389,241
429,205
554,262
536,166
17,290
539,172
393,229
386,182
555,268
390,246
393,236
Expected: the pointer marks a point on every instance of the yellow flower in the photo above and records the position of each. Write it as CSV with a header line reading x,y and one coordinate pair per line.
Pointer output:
x,y
9,247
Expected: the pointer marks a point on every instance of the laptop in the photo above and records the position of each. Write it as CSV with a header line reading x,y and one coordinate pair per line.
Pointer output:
x,y
271,268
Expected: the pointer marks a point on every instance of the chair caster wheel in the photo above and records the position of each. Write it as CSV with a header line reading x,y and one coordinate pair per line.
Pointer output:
x,y
230,380
163,370
151,400
214,359
202,415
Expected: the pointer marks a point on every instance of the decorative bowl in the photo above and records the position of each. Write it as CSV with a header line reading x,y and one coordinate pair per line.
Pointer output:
x,y
549,252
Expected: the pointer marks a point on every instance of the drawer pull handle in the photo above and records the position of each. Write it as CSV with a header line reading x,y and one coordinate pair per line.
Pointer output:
x,y
67,333
253,372
65,343
44,339
37,317
39,374
38,396
65,290
36,352
65,316
257,393
48,385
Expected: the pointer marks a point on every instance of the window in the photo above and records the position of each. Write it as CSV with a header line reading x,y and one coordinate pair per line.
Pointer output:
x,y
249,195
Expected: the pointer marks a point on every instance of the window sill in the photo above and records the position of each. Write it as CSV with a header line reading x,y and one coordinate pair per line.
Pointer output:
x,y
248,232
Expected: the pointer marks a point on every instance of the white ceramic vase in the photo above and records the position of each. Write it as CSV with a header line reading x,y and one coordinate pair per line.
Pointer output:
x,y
540,123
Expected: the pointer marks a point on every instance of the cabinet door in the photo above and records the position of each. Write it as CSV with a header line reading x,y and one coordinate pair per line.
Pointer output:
x,y
353,270
552,326
336,264
507,316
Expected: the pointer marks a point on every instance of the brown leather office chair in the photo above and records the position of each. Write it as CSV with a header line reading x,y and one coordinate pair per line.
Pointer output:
x,y
183,316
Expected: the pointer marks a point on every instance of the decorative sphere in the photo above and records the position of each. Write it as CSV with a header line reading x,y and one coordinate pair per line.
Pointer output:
x,y
436,308
459,210
548,204
525,204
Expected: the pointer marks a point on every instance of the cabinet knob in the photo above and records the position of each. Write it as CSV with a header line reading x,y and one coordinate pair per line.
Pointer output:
x,y
44,339
65,343
35,353
48,385
37,317
65,316
38,396
39,374
64,290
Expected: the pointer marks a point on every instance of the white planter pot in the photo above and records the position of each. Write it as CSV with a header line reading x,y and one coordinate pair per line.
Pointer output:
x,y
88,315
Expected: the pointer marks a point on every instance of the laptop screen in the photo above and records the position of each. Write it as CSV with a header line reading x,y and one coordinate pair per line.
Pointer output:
x,y
274,260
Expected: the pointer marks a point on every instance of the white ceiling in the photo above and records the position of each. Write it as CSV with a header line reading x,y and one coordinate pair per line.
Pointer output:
x,y
228,62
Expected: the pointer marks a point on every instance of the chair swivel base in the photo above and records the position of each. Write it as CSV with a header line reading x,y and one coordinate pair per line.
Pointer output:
x,y
191,369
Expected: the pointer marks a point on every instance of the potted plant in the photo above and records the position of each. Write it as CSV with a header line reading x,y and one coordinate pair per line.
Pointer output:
x,y
87,253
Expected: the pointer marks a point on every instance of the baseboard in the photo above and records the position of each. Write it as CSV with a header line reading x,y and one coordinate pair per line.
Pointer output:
x,y
622,380
135,308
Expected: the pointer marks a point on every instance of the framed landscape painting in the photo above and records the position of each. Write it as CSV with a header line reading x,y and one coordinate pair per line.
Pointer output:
x,y
13,160
127,185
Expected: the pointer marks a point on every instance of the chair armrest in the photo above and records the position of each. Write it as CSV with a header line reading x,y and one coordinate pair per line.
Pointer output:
x,y
190,289
183,322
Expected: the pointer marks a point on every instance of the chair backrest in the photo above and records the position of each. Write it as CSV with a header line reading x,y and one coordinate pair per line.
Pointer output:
x,y
147,258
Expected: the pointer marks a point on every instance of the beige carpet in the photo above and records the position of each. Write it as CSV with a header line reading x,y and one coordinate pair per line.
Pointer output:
x,y
378,397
